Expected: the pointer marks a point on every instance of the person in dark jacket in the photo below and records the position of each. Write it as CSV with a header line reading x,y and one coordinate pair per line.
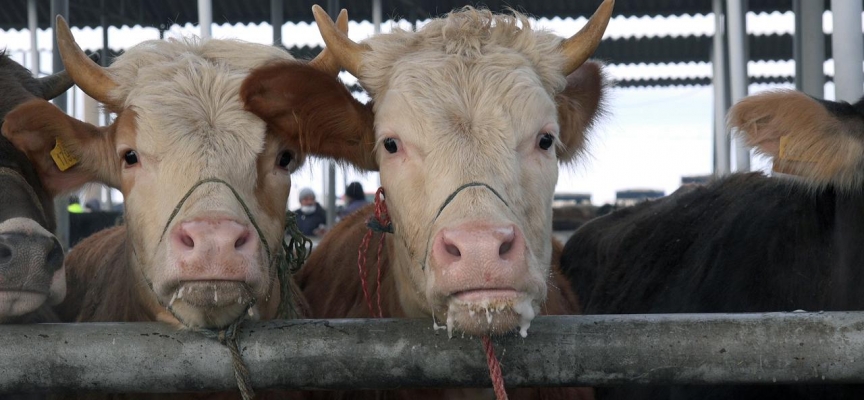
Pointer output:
x,y
355,199
311,217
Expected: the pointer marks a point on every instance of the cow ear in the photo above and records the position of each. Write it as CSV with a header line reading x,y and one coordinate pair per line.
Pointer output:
x,y
314,111
580,104
36,127
804,137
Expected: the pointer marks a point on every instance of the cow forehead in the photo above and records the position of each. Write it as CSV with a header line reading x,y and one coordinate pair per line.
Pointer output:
x,y
467,38
185,95
483,103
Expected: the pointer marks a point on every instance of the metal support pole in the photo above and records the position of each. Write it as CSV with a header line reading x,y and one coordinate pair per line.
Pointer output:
x,y
205,17
809,47
333,10
103,20
376,15
277,19
721,91
589,350
848,49
736,22
33,26
60,7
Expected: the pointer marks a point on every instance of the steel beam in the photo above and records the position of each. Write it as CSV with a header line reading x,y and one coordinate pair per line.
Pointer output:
x,y
736,23
809,47
205,17
847,46
61,211
33,27
772,348
719,64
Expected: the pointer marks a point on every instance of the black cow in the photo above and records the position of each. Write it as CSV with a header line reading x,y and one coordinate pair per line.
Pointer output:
x,y
31,259
746,243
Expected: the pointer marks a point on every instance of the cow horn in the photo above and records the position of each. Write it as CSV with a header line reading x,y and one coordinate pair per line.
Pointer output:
x,y
59,82
348,53
325,61
579,47
88,75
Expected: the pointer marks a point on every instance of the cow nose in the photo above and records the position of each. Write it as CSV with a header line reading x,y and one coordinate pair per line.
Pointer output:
x,y
219,236
17,249
478,242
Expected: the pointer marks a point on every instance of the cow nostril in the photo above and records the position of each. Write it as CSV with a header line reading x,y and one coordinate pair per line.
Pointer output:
x,y
5,253
241,241
187,241
505,248
453,250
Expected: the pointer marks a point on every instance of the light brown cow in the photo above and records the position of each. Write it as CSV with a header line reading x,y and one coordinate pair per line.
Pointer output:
x,y
472,115
205,185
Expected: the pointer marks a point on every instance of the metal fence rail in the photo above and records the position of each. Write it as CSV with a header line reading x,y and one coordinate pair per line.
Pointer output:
x,y
336,354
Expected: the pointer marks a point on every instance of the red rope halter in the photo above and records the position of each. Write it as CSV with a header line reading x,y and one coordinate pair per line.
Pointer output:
x,y
380,222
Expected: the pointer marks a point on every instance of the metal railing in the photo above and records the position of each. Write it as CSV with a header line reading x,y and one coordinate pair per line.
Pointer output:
x,y
778,348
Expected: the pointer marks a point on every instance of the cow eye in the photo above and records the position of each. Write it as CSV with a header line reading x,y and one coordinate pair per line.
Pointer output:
x,y
546,141
285,160
130,158
390,145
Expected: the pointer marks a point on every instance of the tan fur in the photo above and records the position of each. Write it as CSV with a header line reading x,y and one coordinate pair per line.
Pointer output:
x,y
817,147
180,111
467,98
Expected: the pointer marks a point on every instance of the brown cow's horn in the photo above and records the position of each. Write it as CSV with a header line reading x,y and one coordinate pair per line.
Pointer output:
x,y
579,47
55,84
88,75
325,60
348,53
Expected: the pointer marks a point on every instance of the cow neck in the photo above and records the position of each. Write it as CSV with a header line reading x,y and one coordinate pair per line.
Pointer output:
x,y
849,252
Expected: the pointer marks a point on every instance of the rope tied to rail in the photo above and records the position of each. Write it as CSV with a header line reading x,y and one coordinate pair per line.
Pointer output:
x,y
293,255
379,222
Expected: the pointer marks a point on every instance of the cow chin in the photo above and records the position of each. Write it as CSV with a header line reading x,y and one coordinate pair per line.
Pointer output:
x,y
17,303
211,304
490,312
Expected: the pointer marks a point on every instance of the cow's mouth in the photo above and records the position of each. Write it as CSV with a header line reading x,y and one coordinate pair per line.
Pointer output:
x,y
489,311
212,294
17,302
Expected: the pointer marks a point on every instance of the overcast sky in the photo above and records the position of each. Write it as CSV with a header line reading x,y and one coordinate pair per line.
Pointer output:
x,y
650,138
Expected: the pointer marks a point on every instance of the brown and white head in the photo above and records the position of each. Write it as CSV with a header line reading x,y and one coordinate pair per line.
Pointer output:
x,y
817,143
205,184
471,116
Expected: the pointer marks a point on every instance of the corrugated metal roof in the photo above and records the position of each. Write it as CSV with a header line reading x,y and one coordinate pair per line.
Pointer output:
x,y
661,50
13,13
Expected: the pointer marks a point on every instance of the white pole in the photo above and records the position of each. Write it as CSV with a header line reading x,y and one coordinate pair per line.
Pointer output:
x,y
736,22
376,15
848,49
33,25
205,17
721,95
809,47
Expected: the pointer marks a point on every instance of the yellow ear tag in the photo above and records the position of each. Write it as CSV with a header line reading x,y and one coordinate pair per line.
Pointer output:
x,y
787,153
62,158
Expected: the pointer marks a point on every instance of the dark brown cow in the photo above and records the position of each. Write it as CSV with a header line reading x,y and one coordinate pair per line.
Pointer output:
x,y
471,116
31,259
